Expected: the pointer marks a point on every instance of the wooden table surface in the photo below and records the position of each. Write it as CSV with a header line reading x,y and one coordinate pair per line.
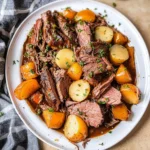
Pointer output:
x,y
138,11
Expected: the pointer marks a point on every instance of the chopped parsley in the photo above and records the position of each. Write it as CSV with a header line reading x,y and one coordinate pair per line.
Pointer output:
x,y
67,8
109,45
91,74
101,53
26,54
119,24
98,60
32,71
112,25
68,65
30,45
1,114
81,22
126,86
81,63
47,48
77,94
40,34
125,69
50,109
57,58
104,11
114,4
110,132
80,112
102,102
65,27
91,44
14,62
54,54
30,33
101,144
38,112
79,85
95,8
79,30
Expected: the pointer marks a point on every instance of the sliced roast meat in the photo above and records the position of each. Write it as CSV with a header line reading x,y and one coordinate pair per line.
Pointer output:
x,y
65,27
44,106
84,35
101,87
50,35
69,102
112,122
49,89
62,83
109,65
111,97
92,81
90,112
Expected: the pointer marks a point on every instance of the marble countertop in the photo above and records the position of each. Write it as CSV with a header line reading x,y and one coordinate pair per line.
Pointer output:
x,y
138,11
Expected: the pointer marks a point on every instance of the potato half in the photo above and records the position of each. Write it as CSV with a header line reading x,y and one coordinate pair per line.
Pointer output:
x,y
65,58
118,54
79,90
75,129
104,34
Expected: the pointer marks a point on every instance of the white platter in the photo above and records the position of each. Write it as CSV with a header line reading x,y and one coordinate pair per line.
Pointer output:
x,y
33,122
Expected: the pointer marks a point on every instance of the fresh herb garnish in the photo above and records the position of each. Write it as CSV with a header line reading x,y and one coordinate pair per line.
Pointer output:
x,y
30,45
98,60
119,24
110,132
40,34
95,8
80,112
32,71
101,144
126,86
79,85
68,65
47,48
26,54
14,62
79,30
1,114
104,11
91,74
101,102
77,94
38,112
81,22
114,4
109,45
50,109
91,44
81,63
65,27
67,8
101,53
54,54
30,33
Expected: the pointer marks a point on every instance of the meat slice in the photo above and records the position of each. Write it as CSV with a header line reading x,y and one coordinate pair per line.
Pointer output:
x,y
65,27
84,35
50,35
90,112
101,87
49,89
69,102
62,83
111,97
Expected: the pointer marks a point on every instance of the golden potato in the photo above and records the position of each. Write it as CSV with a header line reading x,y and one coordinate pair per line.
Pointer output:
x,y
130,93
85,15
53,120
79,90
123,76
69,13
119,38
120,112
75,129
65,58
118,54
26,89
28,71
104,34
75,71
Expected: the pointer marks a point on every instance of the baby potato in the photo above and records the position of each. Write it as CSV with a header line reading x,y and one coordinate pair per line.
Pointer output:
x,y
130,93
65,58
28,71
104,34
75,71
85,15
75,129
118,54
120,112
26,89
119,38
69,13
79,90
123,76
53,120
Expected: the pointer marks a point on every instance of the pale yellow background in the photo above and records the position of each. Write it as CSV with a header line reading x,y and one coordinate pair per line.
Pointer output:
x,y
138,11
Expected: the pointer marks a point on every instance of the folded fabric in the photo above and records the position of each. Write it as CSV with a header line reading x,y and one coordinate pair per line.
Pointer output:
x,y
13,133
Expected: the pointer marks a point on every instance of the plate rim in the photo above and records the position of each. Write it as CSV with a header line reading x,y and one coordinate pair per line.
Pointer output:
x,y
55,2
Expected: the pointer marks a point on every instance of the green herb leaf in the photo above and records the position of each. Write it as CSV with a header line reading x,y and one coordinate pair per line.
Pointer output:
x,y
26,54
79,85
101,102
50,109
1,114
101,53
110,132
79,30
14,62
67,8
80,112
91,74
32,71
81,63
68,65
38,112
101,144
119,24
95,8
